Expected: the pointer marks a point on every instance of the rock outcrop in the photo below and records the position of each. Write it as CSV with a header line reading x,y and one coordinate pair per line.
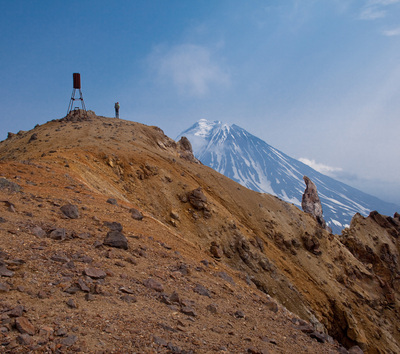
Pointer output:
x,y
185,150
311,203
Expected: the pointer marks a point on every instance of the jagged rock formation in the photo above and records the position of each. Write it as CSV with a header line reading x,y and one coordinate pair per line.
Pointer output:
x,y
79,115
311,204
205,253
185,150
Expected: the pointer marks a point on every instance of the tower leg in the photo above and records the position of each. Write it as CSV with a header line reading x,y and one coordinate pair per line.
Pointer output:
x,y
73,99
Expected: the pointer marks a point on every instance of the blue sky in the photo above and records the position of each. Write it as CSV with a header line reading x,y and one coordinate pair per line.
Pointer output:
x,y
317,79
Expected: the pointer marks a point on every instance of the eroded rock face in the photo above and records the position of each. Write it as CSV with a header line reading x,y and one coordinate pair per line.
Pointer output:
x,y
185,150
311,203
197,199
78,115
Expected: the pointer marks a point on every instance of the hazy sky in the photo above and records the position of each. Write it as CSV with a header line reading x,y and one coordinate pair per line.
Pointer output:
x,y
317,79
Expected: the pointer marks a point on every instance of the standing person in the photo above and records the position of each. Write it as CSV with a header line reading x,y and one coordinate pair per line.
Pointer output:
x,y
116,106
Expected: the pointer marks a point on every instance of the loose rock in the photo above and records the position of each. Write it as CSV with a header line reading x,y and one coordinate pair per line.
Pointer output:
x,y
9,185
113,226
94,273
38,231
136,214
116,239
4,288
24,326
25,339
200,289
70,340
58,234
70,211
4,272
153,284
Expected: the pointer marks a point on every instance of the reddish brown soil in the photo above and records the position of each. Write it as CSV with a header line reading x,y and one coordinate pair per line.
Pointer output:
x,y
263,287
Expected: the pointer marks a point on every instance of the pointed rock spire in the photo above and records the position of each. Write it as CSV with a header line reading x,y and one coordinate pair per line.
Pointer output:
x,y
311,204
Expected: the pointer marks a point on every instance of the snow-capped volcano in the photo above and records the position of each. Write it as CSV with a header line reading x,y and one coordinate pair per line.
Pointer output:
x,y
253,163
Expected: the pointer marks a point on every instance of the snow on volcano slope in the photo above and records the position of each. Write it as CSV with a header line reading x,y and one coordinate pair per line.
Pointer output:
x,y
248,160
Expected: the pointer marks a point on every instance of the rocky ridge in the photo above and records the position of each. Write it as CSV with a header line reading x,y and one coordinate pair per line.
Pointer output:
x,y
114,239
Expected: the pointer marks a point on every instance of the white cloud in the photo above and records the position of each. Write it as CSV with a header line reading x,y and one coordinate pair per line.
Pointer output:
x,y
324,169
191,68
375,9
372,13
392,32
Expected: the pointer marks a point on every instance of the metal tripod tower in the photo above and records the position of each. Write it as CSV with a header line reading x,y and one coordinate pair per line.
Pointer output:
x,y
77,86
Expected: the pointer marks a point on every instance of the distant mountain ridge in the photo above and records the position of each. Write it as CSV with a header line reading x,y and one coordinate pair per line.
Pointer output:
x,y
248,160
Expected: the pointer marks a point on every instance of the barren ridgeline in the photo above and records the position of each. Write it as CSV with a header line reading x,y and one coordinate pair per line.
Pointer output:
x,y
114,238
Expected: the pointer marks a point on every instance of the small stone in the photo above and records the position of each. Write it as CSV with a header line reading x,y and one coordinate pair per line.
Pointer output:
x,y
38,231
94,273
42,294
70,211
9,185
160,341
272,306
116,239
113,226
320,337
59,258
200,289
24,326
71,303
25,339
174,348
46,332
174,215
4,288
239,314
212,308
83,286
70,340
33,137
136,214
61,332
4,330
184,269
128,298
226,277
153,284
188,310
73,289
89,297
98,244
58,234
164,299
83,235
126,290
4,272
16,311
253,350
174,297
205,262
112,201
197,199
216,251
